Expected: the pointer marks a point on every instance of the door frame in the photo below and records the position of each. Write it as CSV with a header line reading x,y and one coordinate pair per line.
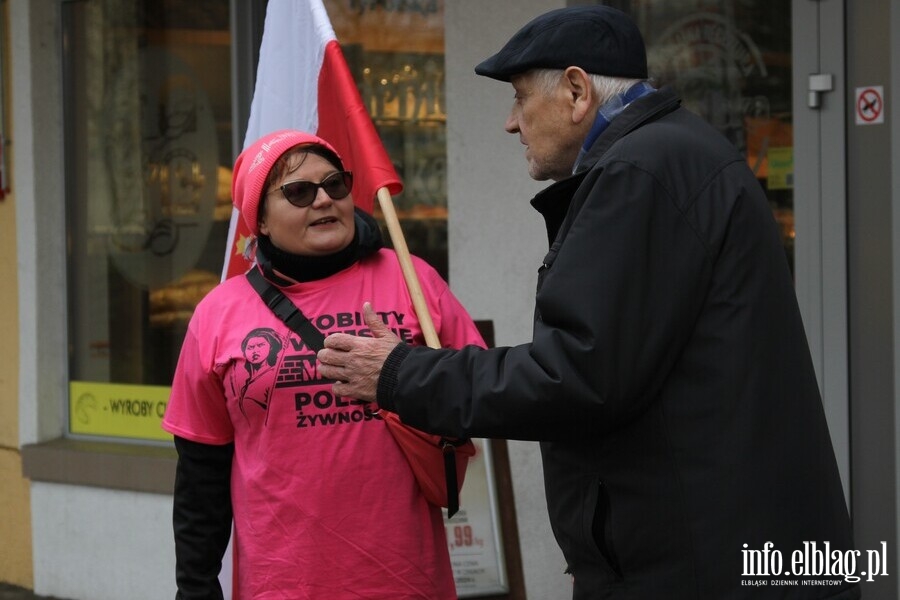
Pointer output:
x,y
820,209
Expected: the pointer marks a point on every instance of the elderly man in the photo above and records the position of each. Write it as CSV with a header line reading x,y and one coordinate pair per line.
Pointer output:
x,y
669,380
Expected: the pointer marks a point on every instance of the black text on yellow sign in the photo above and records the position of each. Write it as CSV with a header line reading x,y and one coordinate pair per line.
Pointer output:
x,y
118,410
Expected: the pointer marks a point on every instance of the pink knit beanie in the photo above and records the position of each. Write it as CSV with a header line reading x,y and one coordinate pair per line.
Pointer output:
x,y
253,165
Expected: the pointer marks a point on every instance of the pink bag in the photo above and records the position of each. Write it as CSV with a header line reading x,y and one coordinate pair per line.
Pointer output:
x,y
438,463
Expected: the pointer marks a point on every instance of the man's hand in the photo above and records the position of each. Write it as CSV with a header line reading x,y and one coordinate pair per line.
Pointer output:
x,y
355,362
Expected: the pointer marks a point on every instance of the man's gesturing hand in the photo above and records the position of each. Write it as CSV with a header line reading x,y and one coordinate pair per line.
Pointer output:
x,y
355,362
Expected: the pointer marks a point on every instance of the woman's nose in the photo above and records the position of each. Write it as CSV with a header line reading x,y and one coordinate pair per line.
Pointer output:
x,y
322,198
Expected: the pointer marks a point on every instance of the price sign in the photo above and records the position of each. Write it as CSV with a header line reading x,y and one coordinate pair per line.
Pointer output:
x,y
473,534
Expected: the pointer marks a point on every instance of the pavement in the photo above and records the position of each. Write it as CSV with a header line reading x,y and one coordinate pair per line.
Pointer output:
x,y
14,592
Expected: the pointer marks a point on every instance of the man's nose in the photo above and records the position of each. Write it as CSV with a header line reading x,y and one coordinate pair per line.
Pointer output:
x,y
512,124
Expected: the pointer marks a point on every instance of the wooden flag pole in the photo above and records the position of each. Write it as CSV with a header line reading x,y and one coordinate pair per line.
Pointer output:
x,y
409,272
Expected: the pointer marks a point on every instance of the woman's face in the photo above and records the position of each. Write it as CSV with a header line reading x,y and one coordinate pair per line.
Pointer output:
x,y
324,227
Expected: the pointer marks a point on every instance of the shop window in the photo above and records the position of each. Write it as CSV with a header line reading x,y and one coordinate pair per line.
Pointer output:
x,y
730,61
149,150
396,53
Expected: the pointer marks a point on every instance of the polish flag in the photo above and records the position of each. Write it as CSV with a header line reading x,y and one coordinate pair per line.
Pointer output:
x,y
303,82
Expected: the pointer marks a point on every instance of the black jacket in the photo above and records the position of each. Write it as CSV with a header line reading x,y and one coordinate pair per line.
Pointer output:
x,y
669,377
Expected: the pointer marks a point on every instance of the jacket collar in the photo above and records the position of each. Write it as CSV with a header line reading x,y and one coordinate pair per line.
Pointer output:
x,y
644,110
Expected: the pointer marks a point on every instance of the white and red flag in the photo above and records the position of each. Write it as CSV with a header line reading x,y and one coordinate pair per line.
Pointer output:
x,y
303,82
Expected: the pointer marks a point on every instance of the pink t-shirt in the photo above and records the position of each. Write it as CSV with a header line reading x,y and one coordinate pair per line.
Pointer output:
x,y
325,505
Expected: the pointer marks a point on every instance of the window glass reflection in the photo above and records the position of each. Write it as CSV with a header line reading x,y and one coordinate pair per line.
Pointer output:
x,y
396,53
730,60
149,155
148,118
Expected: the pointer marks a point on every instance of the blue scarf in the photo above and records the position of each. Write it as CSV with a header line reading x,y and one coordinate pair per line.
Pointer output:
x,y
610,110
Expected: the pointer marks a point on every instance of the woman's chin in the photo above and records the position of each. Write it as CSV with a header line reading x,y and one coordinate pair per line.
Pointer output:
x,y
326,245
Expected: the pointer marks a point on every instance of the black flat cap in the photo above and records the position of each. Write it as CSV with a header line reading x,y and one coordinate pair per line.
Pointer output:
x,y
599,39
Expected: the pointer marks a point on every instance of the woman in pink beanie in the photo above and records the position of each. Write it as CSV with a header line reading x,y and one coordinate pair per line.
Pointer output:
x,y
322,500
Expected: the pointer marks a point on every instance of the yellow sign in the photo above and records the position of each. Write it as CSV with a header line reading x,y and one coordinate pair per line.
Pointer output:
x,y
781,168
118,410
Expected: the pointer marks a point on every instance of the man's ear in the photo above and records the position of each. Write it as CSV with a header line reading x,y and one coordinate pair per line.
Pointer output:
x,y
581,92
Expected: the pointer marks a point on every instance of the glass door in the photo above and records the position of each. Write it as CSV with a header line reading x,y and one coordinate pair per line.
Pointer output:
x,y
761,71
730,61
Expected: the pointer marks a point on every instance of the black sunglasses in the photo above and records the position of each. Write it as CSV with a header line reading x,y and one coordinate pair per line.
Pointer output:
x,y
303,193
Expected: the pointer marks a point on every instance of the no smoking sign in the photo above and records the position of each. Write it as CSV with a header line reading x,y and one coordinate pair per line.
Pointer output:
x,y
869,105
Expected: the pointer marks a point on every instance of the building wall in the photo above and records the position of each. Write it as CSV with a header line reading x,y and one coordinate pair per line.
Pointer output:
x,y
97,544
15,531
871,269
496,239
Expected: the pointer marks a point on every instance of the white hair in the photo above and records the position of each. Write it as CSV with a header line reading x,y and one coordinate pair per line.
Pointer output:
x,y
604,86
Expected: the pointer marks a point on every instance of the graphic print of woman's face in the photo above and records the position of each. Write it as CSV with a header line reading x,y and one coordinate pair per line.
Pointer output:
x,y
260,346
256,350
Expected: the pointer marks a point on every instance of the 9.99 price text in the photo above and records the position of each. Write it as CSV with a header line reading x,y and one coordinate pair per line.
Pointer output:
x,y
462,536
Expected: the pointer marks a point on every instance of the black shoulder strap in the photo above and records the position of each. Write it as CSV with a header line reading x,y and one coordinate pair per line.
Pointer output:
x,y
286,310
